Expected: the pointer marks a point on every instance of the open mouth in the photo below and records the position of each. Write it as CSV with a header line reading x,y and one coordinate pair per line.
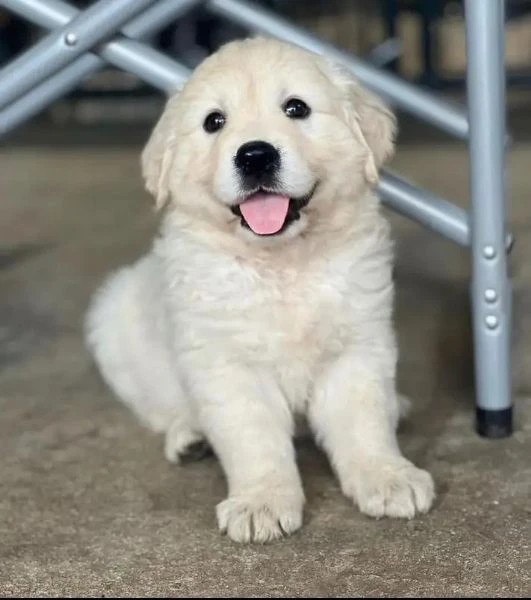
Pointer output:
x,y
270,213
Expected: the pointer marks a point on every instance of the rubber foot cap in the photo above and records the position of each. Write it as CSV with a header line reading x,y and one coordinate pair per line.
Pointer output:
x,y
494,423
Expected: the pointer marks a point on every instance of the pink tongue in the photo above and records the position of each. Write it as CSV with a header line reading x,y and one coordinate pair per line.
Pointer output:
x,y
265,213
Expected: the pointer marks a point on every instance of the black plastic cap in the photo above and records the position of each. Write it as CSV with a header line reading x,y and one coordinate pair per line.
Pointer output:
x,y
494,423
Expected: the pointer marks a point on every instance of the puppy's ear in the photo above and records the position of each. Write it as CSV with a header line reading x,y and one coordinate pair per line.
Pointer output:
x,y
371,120
157,154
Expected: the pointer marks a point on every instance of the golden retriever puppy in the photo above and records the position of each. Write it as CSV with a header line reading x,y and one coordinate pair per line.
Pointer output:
x,y
268,292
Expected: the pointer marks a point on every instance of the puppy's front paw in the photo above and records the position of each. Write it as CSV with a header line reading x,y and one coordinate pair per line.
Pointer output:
x,y
392,488
260,517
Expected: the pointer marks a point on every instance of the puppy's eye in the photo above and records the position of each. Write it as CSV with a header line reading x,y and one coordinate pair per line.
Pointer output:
x,y
214,122
295,108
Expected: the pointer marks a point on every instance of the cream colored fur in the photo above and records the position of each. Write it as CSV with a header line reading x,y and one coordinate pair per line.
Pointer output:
x,y
221,334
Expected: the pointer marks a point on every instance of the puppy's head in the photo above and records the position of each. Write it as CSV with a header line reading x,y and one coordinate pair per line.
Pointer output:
x,y
267,140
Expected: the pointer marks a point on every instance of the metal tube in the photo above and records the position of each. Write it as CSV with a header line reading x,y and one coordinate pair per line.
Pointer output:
x,y
491,294
448,117
64,82
160,15
148,64
425,207
141,60
47,13
65,44
51,14
385,53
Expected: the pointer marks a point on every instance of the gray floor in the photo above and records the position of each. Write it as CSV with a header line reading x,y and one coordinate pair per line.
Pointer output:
x,y
88,506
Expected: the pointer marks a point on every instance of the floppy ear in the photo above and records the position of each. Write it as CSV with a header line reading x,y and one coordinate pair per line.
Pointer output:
x,y
157,154
371,120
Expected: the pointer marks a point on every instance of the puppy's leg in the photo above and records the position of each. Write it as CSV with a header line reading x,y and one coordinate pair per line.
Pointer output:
x,y
354,414
247,421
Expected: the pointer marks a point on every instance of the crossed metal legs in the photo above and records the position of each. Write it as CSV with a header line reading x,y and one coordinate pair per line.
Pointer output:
x,y
124,52
78,45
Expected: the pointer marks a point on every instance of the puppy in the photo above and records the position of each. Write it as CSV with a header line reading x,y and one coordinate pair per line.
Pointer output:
x,y
268,293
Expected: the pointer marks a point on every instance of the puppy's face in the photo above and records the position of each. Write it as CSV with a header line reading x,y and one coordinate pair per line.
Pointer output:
x,y
266,141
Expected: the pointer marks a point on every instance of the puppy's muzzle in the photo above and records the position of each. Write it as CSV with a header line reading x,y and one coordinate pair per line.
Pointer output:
x,y
257,163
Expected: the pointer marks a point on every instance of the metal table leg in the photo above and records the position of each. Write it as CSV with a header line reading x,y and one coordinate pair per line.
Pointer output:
x,y
491,293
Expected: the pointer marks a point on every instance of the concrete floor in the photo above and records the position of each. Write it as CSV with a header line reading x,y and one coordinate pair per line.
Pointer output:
x,y
88,505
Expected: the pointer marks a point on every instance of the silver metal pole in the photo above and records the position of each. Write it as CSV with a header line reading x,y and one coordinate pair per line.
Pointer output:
x,y
51,14
448,117
141,60
425,207
58,49
148,64
491,293
174,74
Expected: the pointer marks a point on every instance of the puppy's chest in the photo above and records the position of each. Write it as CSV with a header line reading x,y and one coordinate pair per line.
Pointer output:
x,y
284,313
300,314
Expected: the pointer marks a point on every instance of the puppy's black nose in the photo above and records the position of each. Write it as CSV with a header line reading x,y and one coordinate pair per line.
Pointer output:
x,y
257,158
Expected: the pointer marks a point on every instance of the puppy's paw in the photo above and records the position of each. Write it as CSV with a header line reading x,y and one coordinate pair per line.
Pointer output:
x,y
183,445
260,517
392,488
